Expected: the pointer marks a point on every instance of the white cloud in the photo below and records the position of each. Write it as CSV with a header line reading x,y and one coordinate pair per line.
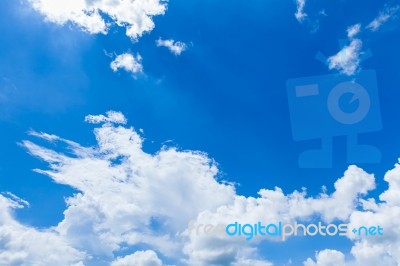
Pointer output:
x,y
391,195
129,198
251,262
312,21
110,117
134,16
382,250
139,258
384,16
174,47
273,206
352,31
327,257
18,202
129,63
24,246
300,14
347,60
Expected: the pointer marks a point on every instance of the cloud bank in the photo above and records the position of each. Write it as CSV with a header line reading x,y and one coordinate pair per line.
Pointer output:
x,y
126,197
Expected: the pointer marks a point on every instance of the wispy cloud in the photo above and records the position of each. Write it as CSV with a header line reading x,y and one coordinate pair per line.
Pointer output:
x,y
135,16
347,60
128,62
385,15
312,21
110,117
352,31
17,201
175,47
300,14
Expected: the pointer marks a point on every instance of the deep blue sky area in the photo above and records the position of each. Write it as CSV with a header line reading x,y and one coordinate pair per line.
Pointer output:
x,y
226,95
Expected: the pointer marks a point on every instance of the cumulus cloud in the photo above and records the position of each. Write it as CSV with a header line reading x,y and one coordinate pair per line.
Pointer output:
x,y
174,47
385,15
383,250
24,246
126,197
347,60
93,16
300,14
139,258
327,257
128,62
273,206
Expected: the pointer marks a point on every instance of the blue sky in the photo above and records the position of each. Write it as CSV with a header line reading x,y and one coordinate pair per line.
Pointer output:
x,y
222,91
